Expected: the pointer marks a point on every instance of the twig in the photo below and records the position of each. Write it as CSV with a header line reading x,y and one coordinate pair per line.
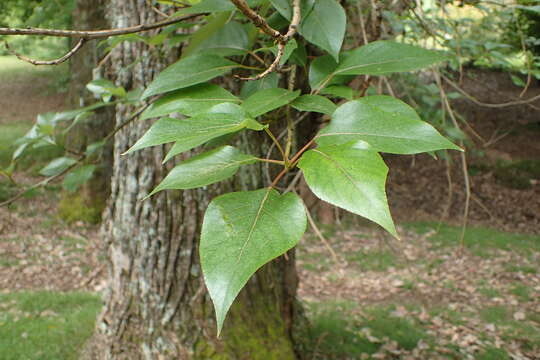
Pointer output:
x,y
480,103
273,67
58,61
281,39
257,19
321,236
94,34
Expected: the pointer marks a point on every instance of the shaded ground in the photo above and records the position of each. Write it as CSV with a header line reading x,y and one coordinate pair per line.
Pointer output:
x,y
424,297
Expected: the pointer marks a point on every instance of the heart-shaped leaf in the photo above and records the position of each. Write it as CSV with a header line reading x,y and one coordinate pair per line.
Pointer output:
x,y
386,124
189,71
189,101
267,100
351,177
241,232
205,169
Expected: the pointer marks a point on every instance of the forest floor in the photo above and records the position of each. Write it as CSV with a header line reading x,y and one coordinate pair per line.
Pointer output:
x,y
368,296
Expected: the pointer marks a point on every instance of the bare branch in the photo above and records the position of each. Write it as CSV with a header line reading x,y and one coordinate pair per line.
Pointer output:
x,y
281,39
58,61
257,19
273,67
94,34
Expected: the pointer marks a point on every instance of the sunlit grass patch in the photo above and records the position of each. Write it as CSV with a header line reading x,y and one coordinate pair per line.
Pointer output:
x,y
45,325
477,239
336,334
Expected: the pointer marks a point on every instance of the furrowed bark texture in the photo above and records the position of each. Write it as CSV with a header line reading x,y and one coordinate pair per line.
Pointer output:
x,y
156,305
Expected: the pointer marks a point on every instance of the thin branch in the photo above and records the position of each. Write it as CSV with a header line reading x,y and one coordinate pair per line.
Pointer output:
x,y
257,19
281,39
94,34
58,61
479,103
273,67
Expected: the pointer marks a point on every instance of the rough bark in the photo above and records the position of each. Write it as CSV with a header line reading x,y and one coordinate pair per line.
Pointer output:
x,y
156,305
88,203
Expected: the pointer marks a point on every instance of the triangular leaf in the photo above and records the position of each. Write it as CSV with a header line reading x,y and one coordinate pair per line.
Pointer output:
x,y
241,232
385,57
351,177
267,100
205,169
188,133
189,101
189,71
386,123
314,103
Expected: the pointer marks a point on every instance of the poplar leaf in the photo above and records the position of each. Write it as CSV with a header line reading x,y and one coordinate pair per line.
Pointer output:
x,y
241,232
385,57
352,177
205,169
191,132
267,100
386,124
314,103
189,101
189,71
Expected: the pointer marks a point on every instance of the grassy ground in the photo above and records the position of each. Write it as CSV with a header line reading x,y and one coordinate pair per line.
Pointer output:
x,y
45,325
423,298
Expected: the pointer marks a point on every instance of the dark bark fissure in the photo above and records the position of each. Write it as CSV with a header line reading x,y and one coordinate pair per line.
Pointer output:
x,y
156,305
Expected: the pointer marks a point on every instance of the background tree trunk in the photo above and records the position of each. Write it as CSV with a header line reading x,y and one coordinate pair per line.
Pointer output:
x,y
88,203
156,305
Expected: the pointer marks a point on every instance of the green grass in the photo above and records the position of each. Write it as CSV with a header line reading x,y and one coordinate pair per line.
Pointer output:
x,y
336,335
15,70
45,325
521,291
477,239
9,133
492,353
378,260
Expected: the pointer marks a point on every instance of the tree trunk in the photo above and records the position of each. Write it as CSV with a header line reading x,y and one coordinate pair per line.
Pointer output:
x,y
88,203
156,305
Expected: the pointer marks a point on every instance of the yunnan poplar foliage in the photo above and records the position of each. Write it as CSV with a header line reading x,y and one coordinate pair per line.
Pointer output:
x,y
244,230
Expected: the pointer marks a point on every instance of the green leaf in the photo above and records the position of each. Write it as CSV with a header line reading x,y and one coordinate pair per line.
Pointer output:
x,y
251,87
325,26
189,133
340,91
385,57
314,103
205,6
77,177
267,100
205,169
386,124
351,177
189,71
241,232
214,24
285,9
289,49
189,101
231,39
56,166
321,73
